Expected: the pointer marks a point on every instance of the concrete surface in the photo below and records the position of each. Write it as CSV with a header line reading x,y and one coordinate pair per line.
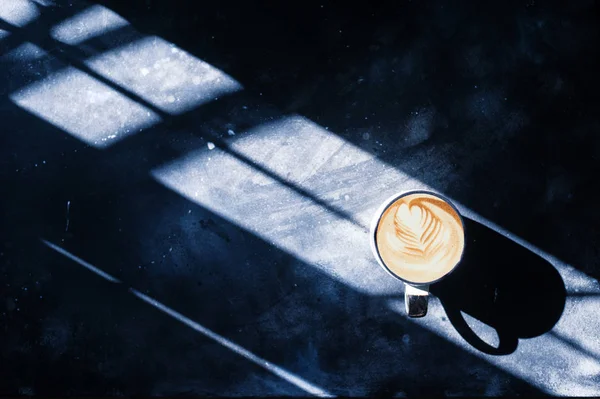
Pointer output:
x,y
187,190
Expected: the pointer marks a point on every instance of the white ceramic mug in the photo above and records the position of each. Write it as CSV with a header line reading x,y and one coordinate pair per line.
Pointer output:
x,y
415,294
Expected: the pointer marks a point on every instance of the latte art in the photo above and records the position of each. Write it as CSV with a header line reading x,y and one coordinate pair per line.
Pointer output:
x,y
420,238
421,234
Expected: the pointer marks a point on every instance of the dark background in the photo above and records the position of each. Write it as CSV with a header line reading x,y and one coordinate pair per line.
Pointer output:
x,y
494,104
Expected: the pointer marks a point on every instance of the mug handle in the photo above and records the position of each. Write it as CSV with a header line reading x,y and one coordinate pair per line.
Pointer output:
x,y
507,345
416,299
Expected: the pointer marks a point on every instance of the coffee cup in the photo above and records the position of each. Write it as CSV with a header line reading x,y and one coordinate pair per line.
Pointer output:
x,y
418,237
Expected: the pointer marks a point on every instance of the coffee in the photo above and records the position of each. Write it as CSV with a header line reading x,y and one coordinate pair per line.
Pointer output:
x,y
420,238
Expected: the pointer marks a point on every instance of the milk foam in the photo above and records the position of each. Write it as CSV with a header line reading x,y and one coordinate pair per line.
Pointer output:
x,y
420,238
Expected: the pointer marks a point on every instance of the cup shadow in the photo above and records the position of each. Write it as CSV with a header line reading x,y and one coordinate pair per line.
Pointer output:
x,y
504,285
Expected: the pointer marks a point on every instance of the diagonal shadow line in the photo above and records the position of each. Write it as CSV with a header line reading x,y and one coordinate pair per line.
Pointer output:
x,y
96,45
453,344
73,54
315,115
48,63
574,345
150,135
91,47
47,17
9,43
336,211
73,57
584,294
278,371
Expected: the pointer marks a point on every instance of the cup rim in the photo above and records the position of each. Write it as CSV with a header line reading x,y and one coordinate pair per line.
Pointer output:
x,y
375,224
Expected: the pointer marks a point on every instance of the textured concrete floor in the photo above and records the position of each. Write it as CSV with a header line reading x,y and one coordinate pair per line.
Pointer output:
x,y
187,190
